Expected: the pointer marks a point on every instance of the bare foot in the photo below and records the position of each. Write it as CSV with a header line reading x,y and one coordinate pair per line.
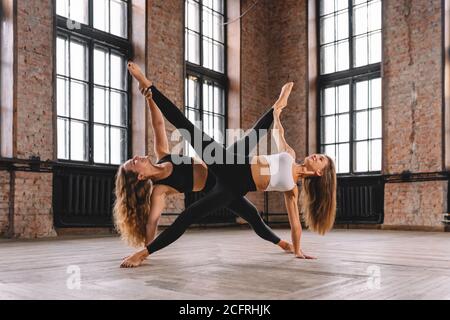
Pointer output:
x,y
286,246
135,260
137,73
284,96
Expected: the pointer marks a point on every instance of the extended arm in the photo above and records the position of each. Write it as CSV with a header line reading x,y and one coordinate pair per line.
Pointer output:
x,y
157,204
161,144
291,201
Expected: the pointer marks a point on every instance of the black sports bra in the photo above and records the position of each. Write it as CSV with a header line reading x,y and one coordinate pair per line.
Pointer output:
x,y
182,176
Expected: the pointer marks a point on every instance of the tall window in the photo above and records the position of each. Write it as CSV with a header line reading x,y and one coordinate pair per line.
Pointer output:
x,y
206,79
350,84
92,82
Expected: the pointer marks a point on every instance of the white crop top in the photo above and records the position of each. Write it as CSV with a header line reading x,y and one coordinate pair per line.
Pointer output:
x,y
280,166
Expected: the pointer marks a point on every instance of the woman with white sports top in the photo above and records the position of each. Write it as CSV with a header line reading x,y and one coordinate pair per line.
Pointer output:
x,y
277,172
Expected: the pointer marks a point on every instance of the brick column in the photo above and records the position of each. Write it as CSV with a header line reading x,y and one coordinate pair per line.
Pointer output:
x,y
33,117
413,115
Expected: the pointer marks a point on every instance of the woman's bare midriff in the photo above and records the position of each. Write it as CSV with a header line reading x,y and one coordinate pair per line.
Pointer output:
x,y
260,172
200,176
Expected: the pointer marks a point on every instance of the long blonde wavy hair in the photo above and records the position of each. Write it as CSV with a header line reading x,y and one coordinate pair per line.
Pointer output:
x,y
131,207
318,200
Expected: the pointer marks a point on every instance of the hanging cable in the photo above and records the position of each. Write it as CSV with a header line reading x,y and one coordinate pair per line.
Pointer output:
x,y
242,15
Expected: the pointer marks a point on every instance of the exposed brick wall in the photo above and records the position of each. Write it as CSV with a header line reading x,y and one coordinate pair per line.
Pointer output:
x,y
413,87
165,58
34,105
33,121
33,216
415,204
4,203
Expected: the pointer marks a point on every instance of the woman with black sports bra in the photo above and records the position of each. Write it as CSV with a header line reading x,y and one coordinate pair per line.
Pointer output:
x,y
278,172
138,206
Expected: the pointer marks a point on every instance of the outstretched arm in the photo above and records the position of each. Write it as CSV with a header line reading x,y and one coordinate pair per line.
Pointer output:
x,y
157,205
161,144
291,200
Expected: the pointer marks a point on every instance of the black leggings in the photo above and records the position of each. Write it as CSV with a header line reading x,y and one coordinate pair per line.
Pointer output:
x,y
226,192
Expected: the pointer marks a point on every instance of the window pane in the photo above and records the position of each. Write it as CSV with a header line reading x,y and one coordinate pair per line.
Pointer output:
x,y
101,17
344,98
375,124
219,129
374,16
218,57
341,4
331,152
78,60
207,22
193,116
101,67
342,59
329,104
208,124
78,100
342,25
218,27
101,144
344,158
192,15
329,130
207,53
118,18
101,106
219,100
118,72
361,125
327,29
326,7
344,128
327,59
78,141
362,161
62,58
208,3
360,51
375,94
118,145
111,16
62,8
208,97
192,93
79,10
218,5
192,47
62,88
63,139
375,159
118,109
362,95
360,20
375,48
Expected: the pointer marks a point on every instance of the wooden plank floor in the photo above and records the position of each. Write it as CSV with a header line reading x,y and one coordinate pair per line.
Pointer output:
x,y
234,264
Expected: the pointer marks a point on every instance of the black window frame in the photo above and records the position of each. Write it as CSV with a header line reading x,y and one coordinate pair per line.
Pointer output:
x,y
94,38
204,74
350,77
